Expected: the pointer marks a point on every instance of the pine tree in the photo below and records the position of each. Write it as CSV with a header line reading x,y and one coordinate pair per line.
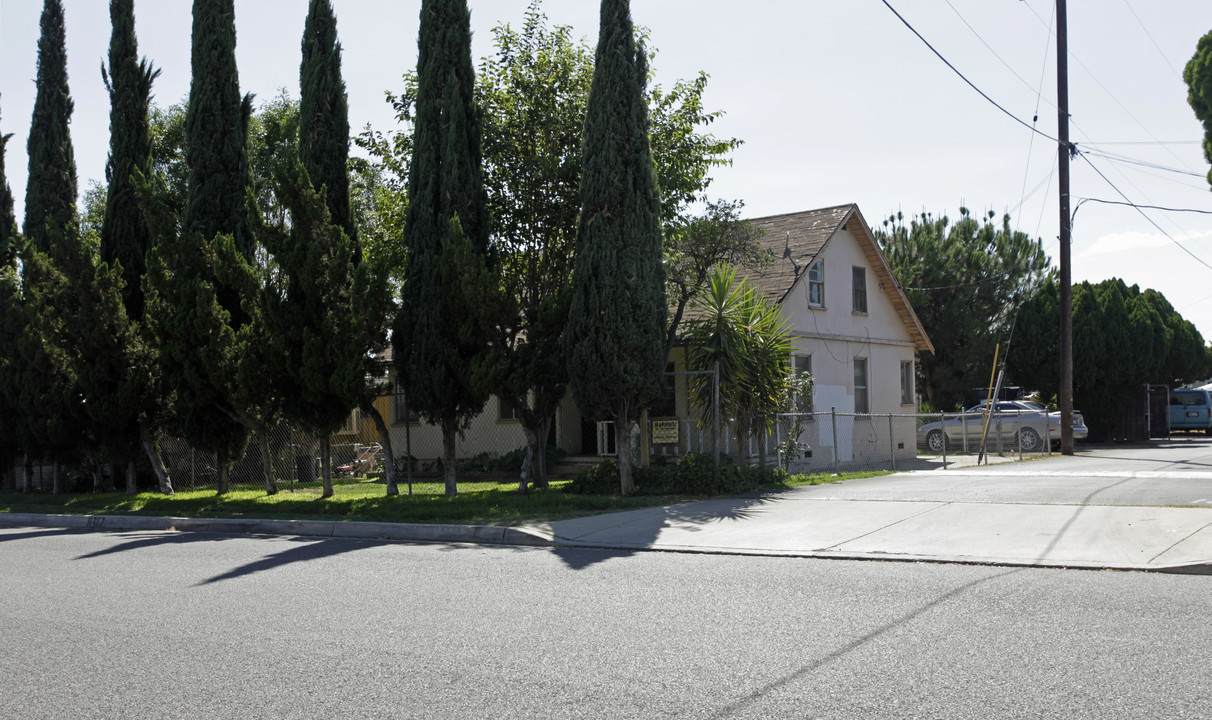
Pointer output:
x,y
50,191
436,354
125,237
324,115
616,325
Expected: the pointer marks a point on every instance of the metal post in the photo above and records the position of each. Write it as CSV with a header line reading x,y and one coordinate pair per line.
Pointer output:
x,y
833,413
716,409
942,423
778,442
892,443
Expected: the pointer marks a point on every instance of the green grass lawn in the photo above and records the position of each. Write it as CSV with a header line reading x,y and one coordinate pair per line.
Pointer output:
x,y
478,503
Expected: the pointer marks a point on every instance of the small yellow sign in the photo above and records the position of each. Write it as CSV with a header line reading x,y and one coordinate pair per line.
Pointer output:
x,y
664,432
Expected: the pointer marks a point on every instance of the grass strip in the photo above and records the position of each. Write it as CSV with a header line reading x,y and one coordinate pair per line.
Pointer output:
x,y
480,503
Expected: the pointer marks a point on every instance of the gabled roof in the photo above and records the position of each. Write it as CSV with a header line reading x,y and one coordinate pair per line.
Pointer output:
x,y
797,238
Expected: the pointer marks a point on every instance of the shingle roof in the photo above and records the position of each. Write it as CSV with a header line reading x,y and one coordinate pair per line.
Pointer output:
x,y
797,238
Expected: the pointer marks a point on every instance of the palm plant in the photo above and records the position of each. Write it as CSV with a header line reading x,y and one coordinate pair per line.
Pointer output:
x,y
747,335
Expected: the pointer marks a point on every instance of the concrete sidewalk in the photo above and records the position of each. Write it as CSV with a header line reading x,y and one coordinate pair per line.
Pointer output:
x,y
793,524
800,523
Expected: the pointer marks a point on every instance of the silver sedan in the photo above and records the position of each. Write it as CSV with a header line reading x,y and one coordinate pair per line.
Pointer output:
x,y
1015,424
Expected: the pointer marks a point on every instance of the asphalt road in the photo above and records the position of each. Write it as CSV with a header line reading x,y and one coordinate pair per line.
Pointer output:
x,y
190,625
1164,473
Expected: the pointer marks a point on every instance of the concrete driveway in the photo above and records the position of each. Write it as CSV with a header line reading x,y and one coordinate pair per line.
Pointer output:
x,y
1145,508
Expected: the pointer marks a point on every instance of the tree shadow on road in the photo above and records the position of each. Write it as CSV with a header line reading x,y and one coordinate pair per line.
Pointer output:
x,y
34,534
583,542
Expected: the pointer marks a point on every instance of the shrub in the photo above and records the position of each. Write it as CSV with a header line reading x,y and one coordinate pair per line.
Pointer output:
x,y
695,474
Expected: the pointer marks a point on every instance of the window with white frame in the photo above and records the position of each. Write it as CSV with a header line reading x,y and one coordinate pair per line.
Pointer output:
x,y
816,284
802,365
861,405
907,382
860,289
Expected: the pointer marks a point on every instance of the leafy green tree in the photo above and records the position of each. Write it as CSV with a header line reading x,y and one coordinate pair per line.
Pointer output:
x,y
965,281
434,357
1122,339
616,321
1198,76
533,93
736,327
697,245
50,190
683,152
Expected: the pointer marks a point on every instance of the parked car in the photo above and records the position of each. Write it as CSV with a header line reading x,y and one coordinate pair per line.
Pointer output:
x,y
1191,410
1013,423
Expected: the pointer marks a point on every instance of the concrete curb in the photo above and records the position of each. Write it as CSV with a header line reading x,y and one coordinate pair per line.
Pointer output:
x,y
479,534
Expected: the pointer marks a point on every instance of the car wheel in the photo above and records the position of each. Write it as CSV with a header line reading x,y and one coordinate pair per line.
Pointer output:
x,y
1028,440
936,441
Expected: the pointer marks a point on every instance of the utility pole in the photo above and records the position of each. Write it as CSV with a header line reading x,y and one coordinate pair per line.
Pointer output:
x,y
1066,283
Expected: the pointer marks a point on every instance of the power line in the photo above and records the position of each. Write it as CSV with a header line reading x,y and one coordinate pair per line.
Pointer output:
x,y
1116,157
1155,45
1139,209
1147,207
993,102
1038,94
1104,88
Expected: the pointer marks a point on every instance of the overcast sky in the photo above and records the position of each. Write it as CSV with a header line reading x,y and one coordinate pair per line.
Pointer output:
x,y
836,101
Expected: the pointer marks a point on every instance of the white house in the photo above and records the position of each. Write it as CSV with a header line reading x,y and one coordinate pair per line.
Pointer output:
x,y
852,328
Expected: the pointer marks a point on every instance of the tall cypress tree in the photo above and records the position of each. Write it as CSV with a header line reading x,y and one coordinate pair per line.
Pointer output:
x,y
616,324
50,191
216,126
11,322
436,351
324,115
8,219
125,237
200,277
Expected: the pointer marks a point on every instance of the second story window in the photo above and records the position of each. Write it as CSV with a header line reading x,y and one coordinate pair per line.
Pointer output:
x,y
860,290
816,284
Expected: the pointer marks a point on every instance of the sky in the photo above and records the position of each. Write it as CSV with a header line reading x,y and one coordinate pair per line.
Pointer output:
x,y
836,102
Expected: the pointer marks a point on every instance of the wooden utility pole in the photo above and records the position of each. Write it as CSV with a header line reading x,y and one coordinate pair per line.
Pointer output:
x,y
1066,284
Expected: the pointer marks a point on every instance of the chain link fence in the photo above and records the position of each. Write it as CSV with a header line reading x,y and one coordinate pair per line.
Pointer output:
x,y
492,449
837,441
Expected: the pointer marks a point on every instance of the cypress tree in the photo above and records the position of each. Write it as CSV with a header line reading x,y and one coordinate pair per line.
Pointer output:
x,y
616,324
125,237
436,353
11,323
200,277
324,115
216,124
50,191
8,219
